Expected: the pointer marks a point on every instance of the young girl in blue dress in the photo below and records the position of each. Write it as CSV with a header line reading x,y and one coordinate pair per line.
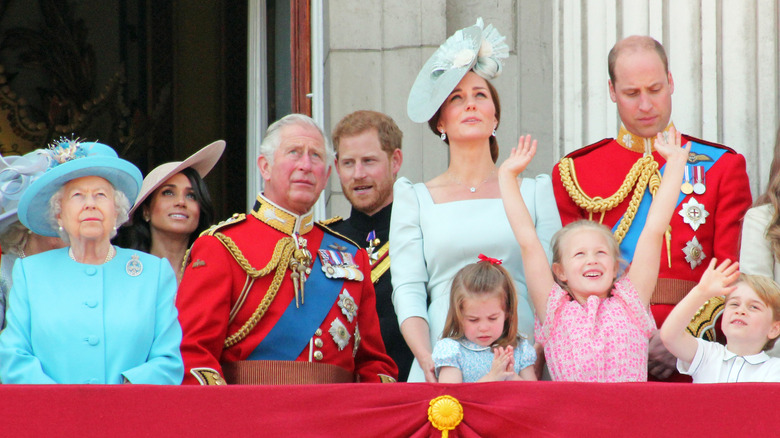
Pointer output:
x,y
480,339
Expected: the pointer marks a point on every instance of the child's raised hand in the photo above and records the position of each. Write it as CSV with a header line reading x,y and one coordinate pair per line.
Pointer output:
x,y
719,280
672,149
520,157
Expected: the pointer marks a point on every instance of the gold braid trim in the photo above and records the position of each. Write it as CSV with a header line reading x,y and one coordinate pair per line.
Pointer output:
x,y
643,172
649,176
279,261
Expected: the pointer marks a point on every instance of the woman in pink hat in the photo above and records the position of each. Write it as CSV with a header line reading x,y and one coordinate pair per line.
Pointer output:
x,y
173,207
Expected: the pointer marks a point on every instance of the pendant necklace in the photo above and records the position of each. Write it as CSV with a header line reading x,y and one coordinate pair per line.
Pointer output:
x,y
472,189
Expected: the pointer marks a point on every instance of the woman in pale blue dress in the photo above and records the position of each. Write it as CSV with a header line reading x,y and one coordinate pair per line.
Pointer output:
x,y
440,226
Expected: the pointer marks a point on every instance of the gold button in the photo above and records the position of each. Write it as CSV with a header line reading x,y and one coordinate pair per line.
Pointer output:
x,y
318,343
318,332
318,355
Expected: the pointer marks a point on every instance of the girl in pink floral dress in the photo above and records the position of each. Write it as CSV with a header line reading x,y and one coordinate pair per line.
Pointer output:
x,y
594,327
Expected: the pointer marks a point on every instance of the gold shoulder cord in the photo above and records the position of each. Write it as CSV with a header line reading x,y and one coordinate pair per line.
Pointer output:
x,y
644,172
279,261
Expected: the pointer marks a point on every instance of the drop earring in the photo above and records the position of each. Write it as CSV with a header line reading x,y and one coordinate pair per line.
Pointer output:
x,y
443,136
494,132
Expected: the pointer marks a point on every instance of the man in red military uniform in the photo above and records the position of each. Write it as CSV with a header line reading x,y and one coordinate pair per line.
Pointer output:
x,y
273,297
603,182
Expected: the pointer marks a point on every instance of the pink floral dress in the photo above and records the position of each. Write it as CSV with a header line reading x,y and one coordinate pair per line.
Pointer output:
x,y
603,341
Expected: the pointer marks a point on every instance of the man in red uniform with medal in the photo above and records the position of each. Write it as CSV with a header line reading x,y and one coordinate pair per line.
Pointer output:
x,y
612,181
271,297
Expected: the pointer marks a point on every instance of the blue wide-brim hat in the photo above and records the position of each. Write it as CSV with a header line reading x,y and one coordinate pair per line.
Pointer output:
x,y
71,159
475,48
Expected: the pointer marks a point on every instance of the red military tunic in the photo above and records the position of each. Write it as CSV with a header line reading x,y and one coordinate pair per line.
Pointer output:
x,y
600,171
212,286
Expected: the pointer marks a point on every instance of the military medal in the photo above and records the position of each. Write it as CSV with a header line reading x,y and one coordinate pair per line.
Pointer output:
x,y
686,186
339,333
698,180
300,265
373,245
357,341
347,305
694,253
339,264
693,213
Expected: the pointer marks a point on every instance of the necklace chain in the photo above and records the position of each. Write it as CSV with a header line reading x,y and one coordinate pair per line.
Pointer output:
x,y
474,188
109,256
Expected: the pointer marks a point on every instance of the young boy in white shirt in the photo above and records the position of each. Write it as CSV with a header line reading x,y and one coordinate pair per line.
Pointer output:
x,y
750,321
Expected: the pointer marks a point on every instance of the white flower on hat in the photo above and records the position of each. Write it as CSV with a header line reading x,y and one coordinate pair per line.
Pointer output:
x,y
456,52
492,49
463,58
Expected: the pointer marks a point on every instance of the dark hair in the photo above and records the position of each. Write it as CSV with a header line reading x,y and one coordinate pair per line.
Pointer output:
x,y
389,133
634,43
138,234
433,123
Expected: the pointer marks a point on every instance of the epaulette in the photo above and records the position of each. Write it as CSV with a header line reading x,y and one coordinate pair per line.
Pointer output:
x,y
332,220
327,229
585,149
709,143
236,218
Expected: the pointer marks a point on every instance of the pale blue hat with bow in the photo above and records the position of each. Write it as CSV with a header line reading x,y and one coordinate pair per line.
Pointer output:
x,y
16,174
477,48
68,160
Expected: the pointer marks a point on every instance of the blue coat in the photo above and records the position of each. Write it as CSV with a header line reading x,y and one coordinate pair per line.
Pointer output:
x,y
76,323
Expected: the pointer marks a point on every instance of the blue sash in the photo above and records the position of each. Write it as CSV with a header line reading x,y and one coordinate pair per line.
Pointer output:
x,y
628,245
295,328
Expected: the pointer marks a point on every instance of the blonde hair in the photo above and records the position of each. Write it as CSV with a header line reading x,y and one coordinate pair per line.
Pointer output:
x,y
561,235
768,291
480,279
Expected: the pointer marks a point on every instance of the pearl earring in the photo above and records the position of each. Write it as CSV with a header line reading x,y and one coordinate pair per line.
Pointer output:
x,y
443,136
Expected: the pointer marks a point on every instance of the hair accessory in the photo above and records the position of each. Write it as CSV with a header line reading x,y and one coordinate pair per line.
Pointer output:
x,y
477,48
484,258
202,162
443,136
71,159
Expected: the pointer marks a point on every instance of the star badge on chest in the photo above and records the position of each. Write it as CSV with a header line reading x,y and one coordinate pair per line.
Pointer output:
x,y
693,213
694,253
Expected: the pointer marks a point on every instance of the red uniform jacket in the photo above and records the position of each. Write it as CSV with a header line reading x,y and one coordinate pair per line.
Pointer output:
x,y
602,167
212,284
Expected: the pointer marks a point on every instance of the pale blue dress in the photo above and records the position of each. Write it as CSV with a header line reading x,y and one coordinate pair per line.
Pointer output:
x,y
430,243
474,360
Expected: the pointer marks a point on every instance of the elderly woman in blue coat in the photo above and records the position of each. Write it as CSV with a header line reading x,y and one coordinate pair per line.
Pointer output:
x,y
90,312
